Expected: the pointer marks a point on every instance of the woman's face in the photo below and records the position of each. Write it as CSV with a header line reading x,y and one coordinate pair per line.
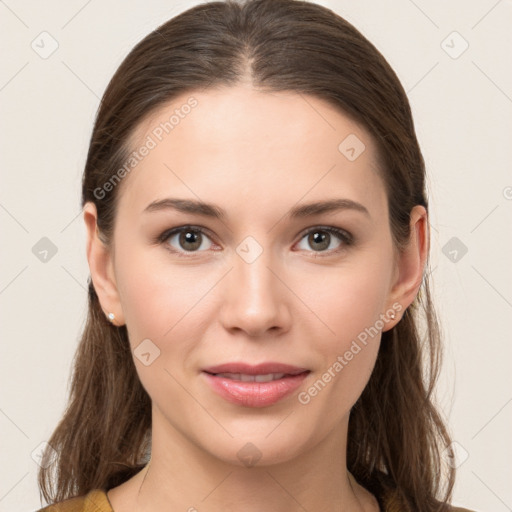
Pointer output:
x,y
268,281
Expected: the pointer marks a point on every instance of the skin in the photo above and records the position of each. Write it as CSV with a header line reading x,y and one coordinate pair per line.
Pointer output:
x,y
256,155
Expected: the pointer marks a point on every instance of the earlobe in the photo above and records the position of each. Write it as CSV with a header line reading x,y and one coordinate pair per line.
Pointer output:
x,y
411,263
100,259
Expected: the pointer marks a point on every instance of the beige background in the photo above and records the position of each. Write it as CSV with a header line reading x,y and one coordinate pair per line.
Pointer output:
x,y
463,111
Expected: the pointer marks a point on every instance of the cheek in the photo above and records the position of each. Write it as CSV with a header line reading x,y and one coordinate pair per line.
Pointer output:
x,y
158,304
166,303
349,302
155,295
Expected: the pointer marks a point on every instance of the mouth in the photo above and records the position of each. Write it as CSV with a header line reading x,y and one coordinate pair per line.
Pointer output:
x,y
243,377
254,386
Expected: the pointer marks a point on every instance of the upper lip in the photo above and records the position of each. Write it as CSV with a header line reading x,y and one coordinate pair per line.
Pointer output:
x,y
259,369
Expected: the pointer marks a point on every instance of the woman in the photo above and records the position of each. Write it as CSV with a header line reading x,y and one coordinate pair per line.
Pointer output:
x,y
227,361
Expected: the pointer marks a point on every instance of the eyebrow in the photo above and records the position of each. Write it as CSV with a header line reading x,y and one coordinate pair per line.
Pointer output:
x,y
214,211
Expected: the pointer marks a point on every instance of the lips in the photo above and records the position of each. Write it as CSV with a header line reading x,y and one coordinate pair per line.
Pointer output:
x,y
267,377
259,369
254,386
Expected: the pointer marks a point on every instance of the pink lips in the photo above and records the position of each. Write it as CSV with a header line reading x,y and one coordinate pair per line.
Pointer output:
x,y
251,393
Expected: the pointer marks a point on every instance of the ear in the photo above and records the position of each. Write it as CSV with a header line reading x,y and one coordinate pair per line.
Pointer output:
x,y
410,265
101,266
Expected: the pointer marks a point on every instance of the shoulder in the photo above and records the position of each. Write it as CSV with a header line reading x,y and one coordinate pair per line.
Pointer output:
x,y
94,501
394,503
391,500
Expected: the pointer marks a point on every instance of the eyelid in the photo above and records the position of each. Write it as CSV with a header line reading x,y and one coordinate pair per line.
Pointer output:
x,y
193,227
346,236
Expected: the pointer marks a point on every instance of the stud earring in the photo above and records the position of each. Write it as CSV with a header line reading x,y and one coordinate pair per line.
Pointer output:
x,y
392,315
111,317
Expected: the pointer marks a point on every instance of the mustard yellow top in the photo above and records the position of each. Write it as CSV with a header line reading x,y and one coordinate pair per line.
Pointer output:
x,y
97,501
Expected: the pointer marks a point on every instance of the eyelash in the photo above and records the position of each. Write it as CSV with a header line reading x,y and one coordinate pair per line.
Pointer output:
x,y
343,235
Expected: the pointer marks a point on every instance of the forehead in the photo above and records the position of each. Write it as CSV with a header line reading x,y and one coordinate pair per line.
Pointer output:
x,y
257,146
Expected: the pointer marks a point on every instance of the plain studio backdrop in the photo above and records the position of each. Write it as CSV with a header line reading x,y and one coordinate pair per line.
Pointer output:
x,y
453,59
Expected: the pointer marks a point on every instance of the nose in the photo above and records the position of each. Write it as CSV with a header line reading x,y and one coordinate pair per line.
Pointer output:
x,y
255,298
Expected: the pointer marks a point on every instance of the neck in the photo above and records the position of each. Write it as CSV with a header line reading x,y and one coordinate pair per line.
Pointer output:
x,y
182,476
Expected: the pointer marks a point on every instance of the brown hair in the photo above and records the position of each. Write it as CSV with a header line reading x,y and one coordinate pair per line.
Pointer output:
x,y
396,435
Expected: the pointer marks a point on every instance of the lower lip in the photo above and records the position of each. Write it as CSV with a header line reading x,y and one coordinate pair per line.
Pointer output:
x,y
254,394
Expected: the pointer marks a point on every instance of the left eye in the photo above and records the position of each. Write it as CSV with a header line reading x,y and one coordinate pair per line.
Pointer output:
x,y
322,238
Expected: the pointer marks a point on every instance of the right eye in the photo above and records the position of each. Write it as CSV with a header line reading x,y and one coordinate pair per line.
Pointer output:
x,y
185,239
